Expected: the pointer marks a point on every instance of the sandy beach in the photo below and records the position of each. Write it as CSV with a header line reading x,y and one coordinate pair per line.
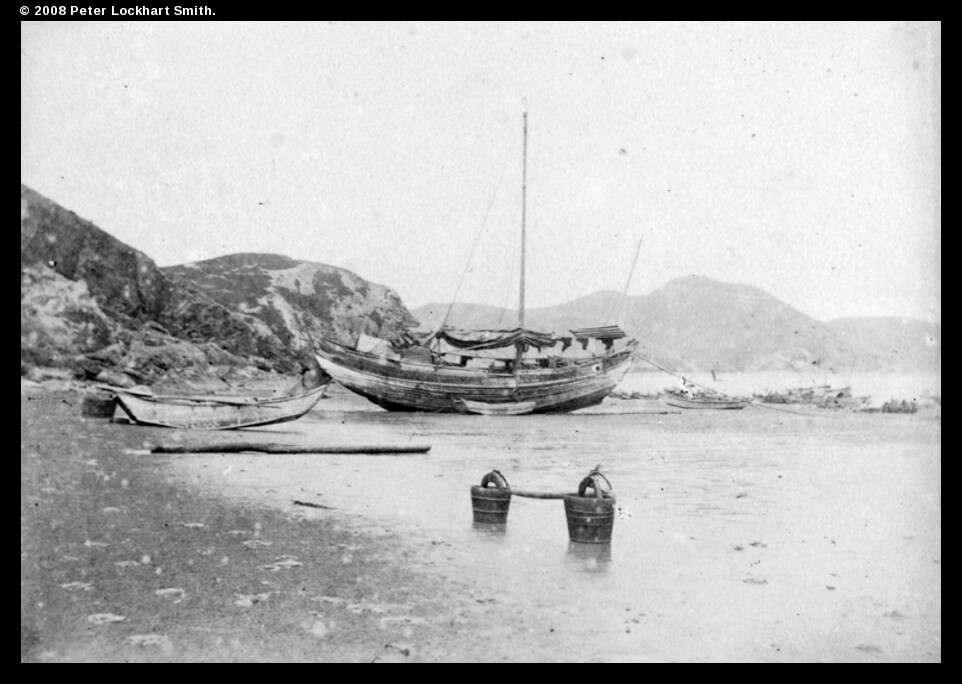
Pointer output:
x,y
120,563
755,536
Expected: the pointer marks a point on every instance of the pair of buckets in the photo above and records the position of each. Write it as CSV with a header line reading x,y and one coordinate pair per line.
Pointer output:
x,y
591,519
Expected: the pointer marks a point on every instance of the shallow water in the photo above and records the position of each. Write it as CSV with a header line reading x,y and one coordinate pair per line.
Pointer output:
x,y
749,535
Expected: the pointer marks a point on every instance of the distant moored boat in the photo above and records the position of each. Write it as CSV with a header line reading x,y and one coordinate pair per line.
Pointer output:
x,y
682,398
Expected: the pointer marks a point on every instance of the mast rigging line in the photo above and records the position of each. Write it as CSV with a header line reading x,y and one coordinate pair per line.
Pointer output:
x,y
474,246
505,292
616,308
624,295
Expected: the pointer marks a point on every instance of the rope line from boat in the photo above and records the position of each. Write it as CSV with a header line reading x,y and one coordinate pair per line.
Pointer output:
x,y
508,280
753,403
617,310
474,246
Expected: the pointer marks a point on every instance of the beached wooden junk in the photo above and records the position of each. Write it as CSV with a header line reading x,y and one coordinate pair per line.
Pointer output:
x,y
504,387
459,371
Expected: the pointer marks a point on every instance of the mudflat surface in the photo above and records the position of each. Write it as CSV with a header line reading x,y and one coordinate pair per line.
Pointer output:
x,y
739,536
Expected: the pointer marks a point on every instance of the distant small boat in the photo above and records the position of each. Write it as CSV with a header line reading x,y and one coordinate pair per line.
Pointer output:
x,y
681,398
212,412
816,394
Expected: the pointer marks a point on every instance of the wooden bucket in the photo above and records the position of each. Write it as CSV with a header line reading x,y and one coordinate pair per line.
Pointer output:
x,y
490,504
591,519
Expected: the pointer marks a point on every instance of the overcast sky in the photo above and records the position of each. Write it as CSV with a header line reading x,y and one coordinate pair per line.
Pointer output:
x,y
804,159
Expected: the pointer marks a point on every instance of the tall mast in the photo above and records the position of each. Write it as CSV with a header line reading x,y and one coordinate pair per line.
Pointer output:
x,y
524,208
519,346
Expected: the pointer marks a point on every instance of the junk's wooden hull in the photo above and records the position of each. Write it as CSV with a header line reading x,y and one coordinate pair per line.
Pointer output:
x,y
214,413
400,385
716,404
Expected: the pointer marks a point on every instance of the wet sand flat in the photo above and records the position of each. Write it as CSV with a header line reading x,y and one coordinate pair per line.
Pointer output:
x,y
748,536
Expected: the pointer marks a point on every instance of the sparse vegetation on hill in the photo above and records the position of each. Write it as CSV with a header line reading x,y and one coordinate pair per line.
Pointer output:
x,y
297,300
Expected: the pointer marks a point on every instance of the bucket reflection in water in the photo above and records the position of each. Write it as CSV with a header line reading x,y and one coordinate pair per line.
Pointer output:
x,y
490,530
589,557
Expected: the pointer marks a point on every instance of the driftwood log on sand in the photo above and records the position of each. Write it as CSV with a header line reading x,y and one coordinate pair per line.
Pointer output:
x,y
235,448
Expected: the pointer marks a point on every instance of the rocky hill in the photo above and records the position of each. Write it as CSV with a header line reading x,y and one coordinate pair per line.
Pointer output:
x,y
695,323
90,303
297,300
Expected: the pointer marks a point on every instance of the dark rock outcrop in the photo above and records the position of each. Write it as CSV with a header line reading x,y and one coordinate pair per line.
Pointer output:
x,y
59,319
89,303
126,284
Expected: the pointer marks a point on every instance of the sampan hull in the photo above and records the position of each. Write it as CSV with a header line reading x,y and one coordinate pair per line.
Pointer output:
x,y
199,413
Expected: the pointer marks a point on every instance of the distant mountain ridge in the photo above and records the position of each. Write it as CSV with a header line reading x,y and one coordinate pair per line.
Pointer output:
x,y
893,342
698,324
89,302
